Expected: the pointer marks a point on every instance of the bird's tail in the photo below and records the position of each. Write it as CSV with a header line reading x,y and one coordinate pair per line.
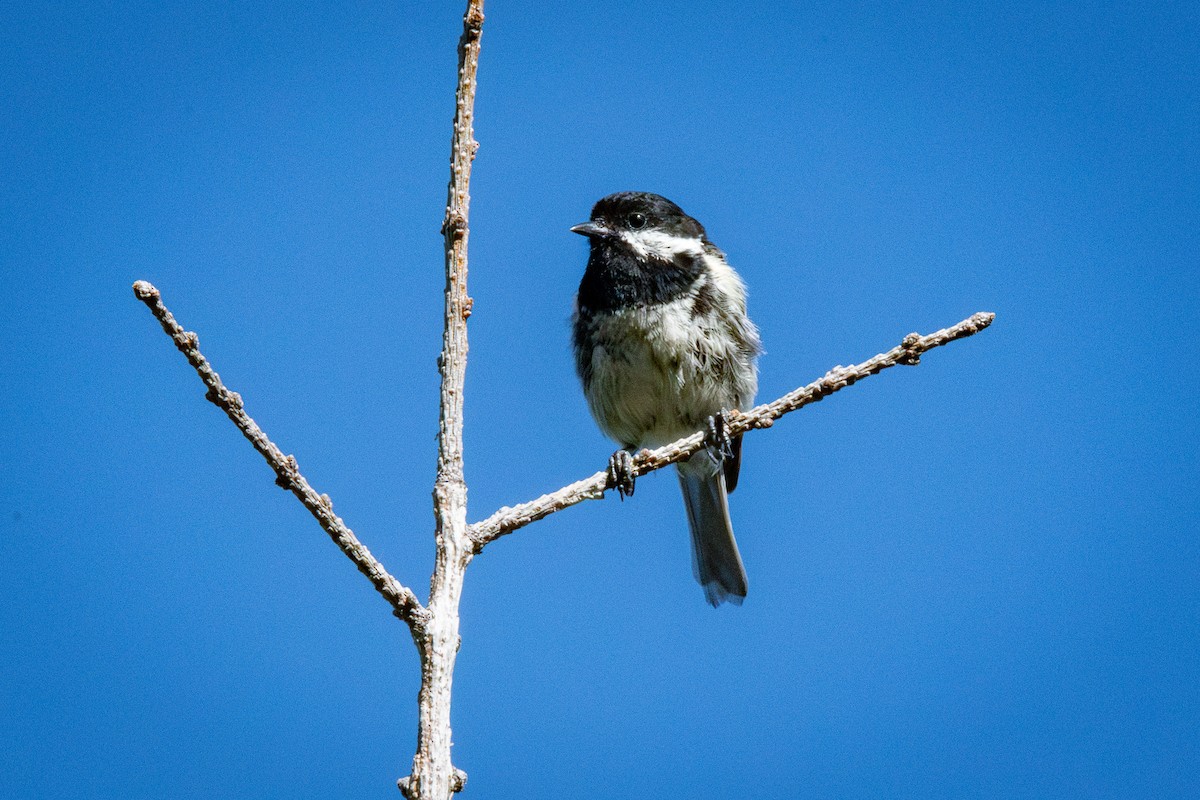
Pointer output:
x,y
716,562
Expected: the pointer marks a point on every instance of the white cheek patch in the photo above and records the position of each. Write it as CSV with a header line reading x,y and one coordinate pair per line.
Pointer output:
x,y
727,281
661,245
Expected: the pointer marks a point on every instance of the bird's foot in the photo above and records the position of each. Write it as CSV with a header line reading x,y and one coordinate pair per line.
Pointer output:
x,y
621,474
718,438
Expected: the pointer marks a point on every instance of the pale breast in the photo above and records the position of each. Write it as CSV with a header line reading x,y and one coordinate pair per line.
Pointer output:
x,y
657,372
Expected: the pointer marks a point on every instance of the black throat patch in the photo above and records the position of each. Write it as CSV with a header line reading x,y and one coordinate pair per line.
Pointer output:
x,y
616,277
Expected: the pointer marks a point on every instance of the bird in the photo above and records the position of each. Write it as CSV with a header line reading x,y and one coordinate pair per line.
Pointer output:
x,y
664,348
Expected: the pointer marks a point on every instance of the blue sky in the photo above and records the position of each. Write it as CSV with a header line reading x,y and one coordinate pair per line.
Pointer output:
x,y
976,578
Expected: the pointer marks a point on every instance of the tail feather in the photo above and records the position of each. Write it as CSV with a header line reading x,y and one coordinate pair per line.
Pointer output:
x,y
716,562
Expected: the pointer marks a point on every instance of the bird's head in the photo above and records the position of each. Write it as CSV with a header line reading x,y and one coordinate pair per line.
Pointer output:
x,y
648,225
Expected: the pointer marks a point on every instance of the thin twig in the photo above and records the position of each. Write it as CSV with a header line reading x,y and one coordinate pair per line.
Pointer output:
x,y
404,603
507,520
433,776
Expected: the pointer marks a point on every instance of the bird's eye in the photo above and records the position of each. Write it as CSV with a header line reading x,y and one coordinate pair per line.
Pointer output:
x,y
637,220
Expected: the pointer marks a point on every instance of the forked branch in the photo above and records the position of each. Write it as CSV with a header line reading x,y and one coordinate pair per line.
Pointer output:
x,y
507,520
435,628
404,603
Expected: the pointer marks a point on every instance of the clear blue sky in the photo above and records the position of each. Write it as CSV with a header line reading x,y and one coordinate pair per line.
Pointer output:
x,y
978,578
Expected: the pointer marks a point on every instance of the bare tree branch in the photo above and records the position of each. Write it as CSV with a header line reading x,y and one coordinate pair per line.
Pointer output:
x,y
433,773
507,520
404,603
436,629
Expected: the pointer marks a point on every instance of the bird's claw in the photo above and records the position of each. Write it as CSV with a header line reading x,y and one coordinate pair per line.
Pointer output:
x,y
621,474
718,436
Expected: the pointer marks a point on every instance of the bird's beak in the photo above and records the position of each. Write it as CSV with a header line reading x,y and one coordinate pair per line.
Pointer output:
x,y
590,229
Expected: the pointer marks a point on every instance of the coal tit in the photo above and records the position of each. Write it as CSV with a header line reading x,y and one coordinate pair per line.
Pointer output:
x,y
663,346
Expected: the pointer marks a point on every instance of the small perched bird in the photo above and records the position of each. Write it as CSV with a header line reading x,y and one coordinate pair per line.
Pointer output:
x,y
663,347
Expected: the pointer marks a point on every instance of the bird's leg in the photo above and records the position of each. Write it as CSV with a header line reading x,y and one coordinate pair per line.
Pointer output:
x,y
621,474
718,438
